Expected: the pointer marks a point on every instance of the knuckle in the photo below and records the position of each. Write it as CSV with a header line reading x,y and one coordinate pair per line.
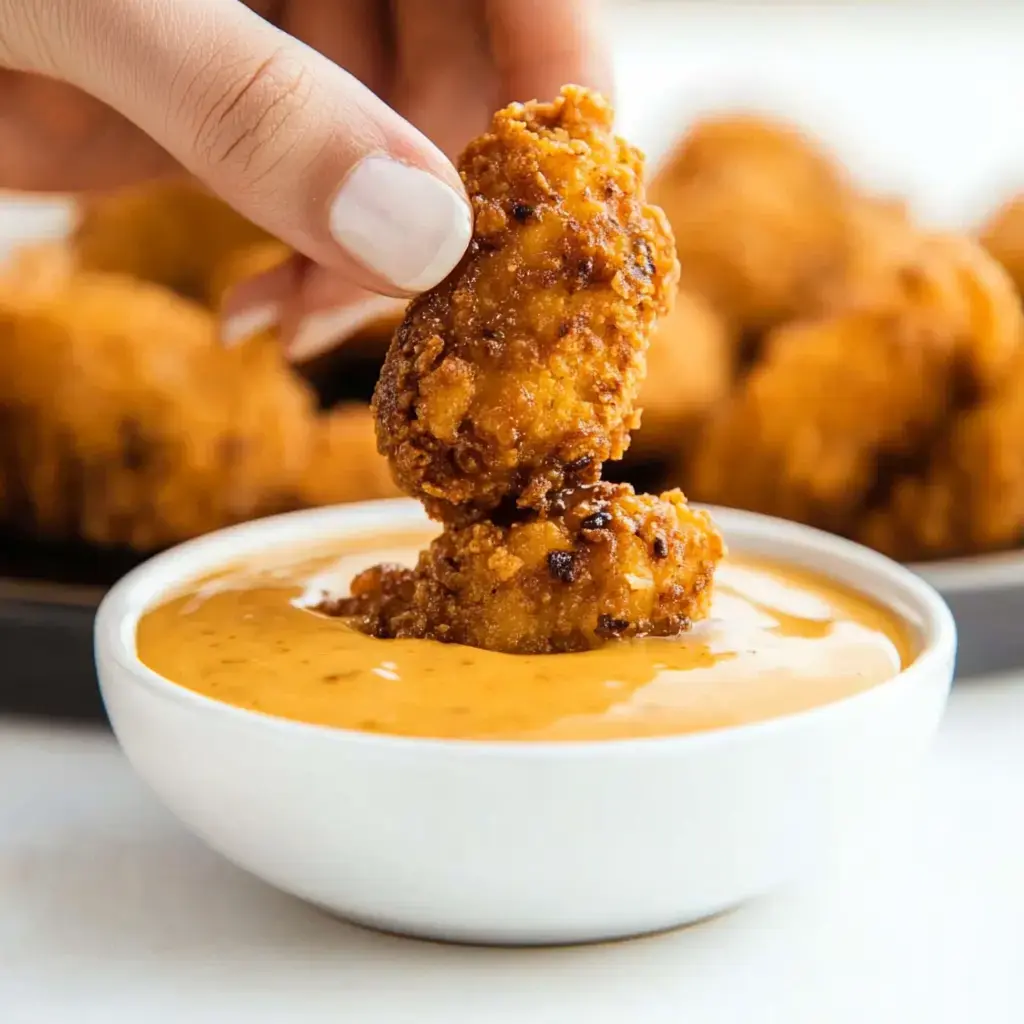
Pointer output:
x,y
251,115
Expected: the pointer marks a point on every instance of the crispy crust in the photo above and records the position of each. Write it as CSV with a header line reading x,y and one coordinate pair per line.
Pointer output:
x,y
843,406
759,214
605,564
970,497
125,422
518,375
690,367
1003,237
172,233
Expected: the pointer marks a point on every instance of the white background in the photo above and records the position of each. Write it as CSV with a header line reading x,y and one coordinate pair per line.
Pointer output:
x,y
110,912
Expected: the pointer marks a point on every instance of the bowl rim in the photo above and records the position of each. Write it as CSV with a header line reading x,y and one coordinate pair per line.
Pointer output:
x,y
117,618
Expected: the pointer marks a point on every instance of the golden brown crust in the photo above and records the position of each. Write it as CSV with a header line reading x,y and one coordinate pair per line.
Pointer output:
x,y
125,422
842,406
951,281
690,366
518,375
343,461
803,436
605,564
172,233
971,496
880,236
1003,237
759,215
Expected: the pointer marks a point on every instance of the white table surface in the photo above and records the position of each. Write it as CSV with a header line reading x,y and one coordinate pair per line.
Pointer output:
x,y
110,912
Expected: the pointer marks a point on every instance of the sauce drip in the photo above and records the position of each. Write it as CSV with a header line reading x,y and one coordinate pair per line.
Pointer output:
x,y
779,640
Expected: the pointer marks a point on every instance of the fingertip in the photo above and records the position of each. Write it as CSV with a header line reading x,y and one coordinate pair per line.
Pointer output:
x,y
403,223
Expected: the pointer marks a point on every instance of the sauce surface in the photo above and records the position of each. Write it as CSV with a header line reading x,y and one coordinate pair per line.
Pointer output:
x,y
779,640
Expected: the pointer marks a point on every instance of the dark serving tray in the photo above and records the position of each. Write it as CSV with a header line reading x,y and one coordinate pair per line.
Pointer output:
x,y
49,592
48,597
46,645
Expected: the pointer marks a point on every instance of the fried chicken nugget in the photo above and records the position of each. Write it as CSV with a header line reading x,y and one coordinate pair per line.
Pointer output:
x,y
690,365
172,233
344,464
971,496
35,272
518,375
952,280
125,422
1003,237
606,564
881,237
840,405
759,215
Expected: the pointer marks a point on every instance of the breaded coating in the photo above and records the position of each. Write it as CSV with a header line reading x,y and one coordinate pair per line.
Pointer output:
x,y
802,436
881,236
841,406
125,422
1003,237
759,216
971,496
690,366
343,461
606,564
36,272
518,375
172,233
951,280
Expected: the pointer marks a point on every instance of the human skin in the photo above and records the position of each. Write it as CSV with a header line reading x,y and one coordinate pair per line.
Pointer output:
x,y
298,112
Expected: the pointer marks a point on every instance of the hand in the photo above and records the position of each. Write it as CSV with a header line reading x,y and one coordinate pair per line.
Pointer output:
x,y
312,139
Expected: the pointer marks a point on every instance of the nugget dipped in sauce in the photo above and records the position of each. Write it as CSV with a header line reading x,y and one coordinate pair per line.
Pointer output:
x,y
518,375
603,564
511,382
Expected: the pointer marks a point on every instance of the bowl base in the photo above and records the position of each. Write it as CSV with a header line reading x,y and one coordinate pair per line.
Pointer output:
x,y
522,938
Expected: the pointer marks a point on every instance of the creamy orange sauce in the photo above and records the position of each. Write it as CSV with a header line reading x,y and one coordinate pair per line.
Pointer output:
x,y
779,640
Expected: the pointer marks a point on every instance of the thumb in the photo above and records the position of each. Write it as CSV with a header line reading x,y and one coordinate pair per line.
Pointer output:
x,y
291,140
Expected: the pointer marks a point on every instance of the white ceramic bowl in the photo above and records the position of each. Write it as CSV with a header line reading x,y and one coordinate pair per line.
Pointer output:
x,y
521,842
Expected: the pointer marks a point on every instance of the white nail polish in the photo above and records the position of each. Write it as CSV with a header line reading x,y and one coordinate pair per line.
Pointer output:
x,y
243,325
403,223
319,332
